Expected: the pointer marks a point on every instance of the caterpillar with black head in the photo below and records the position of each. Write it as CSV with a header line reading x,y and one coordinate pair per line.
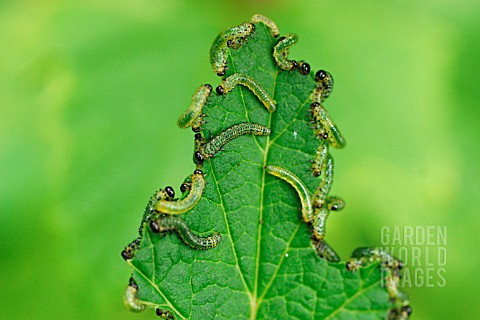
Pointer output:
x,y
324,127
281,50
320,216
171,223
326,180
324,86
267,22
186,204
193,115
320,159
298,185
130,299
149,213
210,148
235,79
230,38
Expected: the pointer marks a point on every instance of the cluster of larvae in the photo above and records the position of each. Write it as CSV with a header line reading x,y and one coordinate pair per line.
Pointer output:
x,y
162,210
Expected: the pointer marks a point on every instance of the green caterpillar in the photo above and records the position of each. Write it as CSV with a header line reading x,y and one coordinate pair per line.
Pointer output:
x,y
324,126
321,214
268,22
192,116
186,204
325,183
325,251
324,86
320,159
149,213
130,299
210,148
230,82
281,50
298,185
234,38
172,223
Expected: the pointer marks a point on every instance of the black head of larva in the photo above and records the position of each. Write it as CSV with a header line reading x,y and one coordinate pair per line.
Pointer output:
x,y
281,38
132,283
320,75
349,265
127,253
198,136
198,156
305,68
209,87
198,171
184,187
221,73
155,227
220,90
294,65
400,265
314,105
195,129
170,192
407,309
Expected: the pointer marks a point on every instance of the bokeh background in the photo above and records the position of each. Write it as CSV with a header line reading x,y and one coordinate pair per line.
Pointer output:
x,y
89,96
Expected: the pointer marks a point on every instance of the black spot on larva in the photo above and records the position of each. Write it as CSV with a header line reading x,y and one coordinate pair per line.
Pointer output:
x,y
198,171
208,86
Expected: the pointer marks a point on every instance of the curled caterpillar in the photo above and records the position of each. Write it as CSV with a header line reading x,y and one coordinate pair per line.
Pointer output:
x,y
171,223
149,213
130,299
186,204
324,126
321,214
192,116
298,185
234,38
281,50
230,82
210,148
268,22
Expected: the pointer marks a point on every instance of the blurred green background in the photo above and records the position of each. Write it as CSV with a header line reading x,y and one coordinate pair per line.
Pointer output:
x,y
89,96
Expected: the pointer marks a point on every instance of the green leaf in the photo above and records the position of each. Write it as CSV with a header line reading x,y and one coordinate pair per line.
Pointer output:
x,y
266,265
